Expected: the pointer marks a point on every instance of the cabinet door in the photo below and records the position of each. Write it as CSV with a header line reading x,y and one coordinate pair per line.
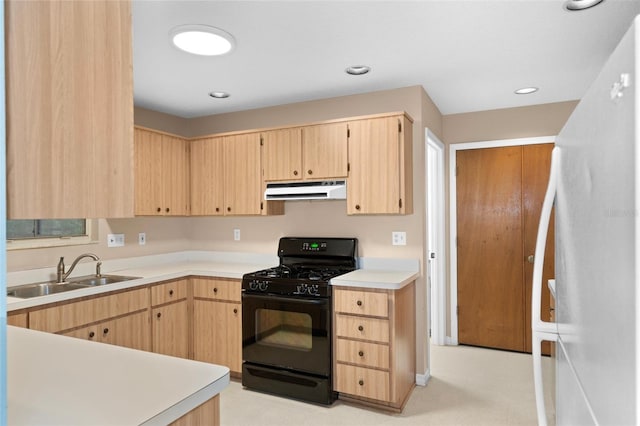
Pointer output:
x,y
207,177
325,149
87,333
17,320
378,177
242,180
170,329
131,331
69,113
149,192
282,154
175,176
217,333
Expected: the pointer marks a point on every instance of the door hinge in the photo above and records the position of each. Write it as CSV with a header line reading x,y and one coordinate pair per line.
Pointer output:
x,y
400,203
429,332
348,132
457,310
261,141
261,206
348,167
399,126
456,170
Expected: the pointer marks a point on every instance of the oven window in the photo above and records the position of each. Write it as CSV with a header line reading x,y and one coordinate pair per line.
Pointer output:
x,y
289,330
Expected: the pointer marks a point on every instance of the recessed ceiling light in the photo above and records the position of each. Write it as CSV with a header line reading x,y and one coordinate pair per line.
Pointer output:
x,y
358,70
526,90
202,40
580,4
219,95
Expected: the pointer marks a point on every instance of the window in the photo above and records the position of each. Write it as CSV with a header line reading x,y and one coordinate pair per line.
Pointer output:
x,y
48,232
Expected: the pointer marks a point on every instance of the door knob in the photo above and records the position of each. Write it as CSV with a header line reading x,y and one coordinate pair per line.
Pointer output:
x,y
530,258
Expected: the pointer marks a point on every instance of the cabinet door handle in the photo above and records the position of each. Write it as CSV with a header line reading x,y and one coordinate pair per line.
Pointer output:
x,y
167,209
170,292
228,209
215,289
159,314
159,209
295,173
310,172
361,382
217,209
105,331
91,335
235,310
359,303
360,328
357,206
361,353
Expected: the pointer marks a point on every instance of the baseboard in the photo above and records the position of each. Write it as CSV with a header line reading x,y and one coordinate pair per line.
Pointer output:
x,y
422,379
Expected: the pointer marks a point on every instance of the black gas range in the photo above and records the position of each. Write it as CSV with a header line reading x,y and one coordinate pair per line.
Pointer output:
x,y
286,318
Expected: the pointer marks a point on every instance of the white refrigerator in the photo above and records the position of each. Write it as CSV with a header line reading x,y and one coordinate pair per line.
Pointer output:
x,y
595,182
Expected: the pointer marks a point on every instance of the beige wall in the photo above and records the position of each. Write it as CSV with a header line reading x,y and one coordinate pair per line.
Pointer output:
x,y
160,121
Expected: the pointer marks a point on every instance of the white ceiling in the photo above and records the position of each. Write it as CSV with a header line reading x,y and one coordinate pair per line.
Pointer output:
x,y
468,55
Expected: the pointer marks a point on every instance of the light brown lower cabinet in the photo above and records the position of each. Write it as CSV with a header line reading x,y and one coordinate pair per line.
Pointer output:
x,y
205,414
170,328
374,345
17,320
217,333
130,331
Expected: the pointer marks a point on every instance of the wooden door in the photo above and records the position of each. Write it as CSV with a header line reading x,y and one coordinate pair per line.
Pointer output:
x,y
374,156
242,180
325,151
207,177
175,176
130,331
170,328
282,154
149,192
217,333
499,199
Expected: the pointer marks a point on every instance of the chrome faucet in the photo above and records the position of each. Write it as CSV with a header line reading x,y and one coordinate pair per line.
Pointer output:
x,y
62,275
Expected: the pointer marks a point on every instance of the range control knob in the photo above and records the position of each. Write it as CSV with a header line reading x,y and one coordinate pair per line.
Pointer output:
x,y
301,289
313,290
253,285
263,285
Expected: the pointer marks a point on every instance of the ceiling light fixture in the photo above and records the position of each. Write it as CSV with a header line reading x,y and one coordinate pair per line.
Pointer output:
x,y
219,95
526,90
573,5
357,70
202,40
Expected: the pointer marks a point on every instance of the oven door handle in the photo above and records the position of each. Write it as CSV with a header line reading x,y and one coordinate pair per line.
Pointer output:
x,y
279,298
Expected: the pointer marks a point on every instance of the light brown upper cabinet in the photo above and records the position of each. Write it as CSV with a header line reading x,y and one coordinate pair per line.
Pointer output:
x,y
162,174
69,86
242,182
380,176
207,177
311,152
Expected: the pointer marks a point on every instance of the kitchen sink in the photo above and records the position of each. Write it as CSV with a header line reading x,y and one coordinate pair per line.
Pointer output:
x,y
94,280
42,289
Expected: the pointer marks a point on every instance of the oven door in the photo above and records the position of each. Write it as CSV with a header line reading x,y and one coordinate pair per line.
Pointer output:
x,y
287,332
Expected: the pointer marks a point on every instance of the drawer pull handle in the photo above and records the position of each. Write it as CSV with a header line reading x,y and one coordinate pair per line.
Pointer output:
x,y
167,210
159,314
170,292
159,209
215,289
361,353
105,331
361,382
235,310
92,335
359,303
360,328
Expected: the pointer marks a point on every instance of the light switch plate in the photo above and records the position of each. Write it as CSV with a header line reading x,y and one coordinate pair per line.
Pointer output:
x,y
142,238
115,240
399,238
236,234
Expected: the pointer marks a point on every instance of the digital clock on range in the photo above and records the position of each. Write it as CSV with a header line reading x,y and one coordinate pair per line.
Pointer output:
x,y
314,246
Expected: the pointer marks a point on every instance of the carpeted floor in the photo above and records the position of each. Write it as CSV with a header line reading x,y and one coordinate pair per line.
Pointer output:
x,y
468,386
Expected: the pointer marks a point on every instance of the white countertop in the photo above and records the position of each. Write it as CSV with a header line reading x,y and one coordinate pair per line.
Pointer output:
x,y
375,278
58,380
391,274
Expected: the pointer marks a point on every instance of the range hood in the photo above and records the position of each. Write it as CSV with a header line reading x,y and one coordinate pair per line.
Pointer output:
x,y
307,190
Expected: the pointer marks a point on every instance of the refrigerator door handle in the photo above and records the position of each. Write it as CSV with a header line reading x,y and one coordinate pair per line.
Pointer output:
x,y
542,330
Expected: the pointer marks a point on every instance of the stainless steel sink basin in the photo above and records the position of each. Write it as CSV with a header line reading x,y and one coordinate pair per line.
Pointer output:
x,y
42,289
93,280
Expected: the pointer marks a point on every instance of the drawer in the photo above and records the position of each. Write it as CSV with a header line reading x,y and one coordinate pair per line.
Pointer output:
x,y
373,329
362,353
363,382
217,289
361,302
168,292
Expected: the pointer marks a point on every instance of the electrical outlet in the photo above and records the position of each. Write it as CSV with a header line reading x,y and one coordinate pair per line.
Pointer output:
x,y
115,240
399,238
142,238
236,234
